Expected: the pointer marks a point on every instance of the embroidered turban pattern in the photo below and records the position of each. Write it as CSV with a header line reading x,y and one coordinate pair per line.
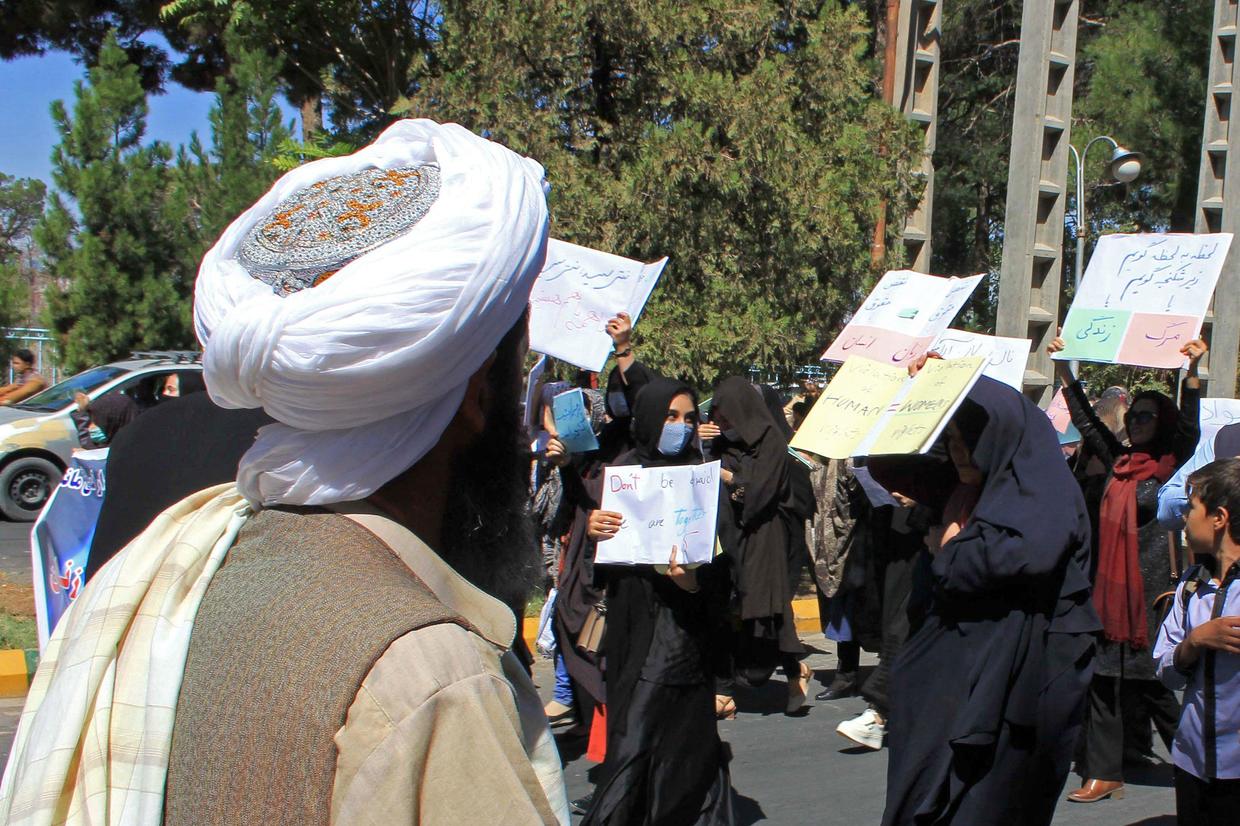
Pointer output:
x,y
357,297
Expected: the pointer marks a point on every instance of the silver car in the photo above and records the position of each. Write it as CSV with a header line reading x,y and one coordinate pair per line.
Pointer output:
x,y
38,435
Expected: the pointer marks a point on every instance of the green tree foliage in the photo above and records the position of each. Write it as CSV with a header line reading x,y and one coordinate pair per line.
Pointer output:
x,y
1143,81
739,138
247,136
21,204
111,231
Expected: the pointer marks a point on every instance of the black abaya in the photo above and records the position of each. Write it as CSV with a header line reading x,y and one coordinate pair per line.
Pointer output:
x,y
665,762
988,695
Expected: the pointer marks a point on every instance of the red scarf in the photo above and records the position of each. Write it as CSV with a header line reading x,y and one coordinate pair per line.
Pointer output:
x,y
1119,593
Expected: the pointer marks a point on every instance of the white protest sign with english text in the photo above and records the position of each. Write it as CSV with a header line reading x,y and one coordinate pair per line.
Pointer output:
x,y
662,507
577,292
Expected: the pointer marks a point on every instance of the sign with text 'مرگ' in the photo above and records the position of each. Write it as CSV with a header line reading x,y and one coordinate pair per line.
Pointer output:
x,y
873,409
577,292
903,315
1143,297
571,422
663,507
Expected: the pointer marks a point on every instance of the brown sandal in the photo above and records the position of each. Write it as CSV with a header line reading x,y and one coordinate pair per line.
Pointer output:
x,y
725,707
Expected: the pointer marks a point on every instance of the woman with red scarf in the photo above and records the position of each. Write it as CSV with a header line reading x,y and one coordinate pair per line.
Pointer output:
x,y
1133,568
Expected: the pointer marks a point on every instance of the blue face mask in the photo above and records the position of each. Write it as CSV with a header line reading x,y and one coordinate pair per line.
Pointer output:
x,y
618,403
675,438
96,434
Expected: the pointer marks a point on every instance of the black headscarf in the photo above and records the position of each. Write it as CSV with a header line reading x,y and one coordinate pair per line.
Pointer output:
x,y
649,416
775,406
112,412
765,465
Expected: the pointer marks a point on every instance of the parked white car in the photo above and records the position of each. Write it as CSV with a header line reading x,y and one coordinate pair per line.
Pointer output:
x,y
38,435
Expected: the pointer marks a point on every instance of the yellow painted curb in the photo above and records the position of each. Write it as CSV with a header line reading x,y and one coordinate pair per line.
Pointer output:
x,y
15,672
805,611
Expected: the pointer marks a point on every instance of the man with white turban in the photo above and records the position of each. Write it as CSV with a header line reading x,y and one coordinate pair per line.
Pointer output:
x,y
327,641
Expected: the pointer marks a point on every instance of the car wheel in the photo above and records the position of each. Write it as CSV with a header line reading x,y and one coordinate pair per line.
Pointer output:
x,y
25,485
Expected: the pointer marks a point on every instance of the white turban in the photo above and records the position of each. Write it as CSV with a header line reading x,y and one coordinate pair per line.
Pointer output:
x,y
364,371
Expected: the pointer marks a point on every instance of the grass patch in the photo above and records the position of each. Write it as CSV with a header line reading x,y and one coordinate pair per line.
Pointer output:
x,y
17,625
533,605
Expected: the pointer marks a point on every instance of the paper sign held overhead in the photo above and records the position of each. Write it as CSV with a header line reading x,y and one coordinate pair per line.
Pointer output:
x,y
1143,297
901,318
1005,357
662,507
576,293
1217,414
571,422
872,409
1061,419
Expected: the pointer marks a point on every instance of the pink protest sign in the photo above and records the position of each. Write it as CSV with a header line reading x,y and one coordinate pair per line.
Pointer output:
x,y
1143,298
904,313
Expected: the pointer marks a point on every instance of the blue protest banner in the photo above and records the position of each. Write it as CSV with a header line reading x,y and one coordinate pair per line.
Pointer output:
x,y
571,422
60,541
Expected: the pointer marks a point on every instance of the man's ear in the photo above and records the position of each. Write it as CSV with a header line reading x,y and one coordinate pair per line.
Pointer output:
x,y
471,416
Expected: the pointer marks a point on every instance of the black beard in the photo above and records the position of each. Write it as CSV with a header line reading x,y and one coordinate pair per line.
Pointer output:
x,y
488,535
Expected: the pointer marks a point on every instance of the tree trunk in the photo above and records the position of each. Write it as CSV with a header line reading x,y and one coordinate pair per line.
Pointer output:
x,y
311,117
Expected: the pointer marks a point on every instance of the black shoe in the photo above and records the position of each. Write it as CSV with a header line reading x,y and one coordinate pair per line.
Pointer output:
x,y
838,690
582,804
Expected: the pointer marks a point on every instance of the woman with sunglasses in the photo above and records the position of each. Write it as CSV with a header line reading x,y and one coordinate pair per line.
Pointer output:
x,y
1132,563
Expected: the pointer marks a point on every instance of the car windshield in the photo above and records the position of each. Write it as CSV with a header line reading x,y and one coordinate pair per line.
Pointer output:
x,y
59,396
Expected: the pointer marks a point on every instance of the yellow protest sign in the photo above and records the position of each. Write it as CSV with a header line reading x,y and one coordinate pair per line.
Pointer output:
x,y
848,408
922,413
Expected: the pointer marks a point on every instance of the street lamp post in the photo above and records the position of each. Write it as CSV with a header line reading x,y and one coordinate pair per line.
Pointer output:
x,y
1124,168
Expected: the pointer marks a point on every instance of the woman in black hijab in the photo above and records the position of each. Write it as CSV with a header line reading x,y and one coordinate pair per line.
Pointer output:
x,y
107,416
988,695
771,497
665,762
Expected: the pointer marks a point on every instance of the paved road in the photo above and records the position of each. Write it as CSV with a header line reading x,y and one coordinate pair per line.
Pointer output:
x,y
797,770
15,549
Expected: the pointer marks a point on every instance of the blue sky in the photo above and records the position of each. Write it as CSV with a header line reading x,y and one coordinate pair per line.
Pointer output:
x,y
28,85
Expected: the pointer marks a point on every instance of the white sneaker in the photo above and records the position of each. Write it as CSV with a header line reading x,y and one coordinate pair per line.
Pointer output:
x,y
865,730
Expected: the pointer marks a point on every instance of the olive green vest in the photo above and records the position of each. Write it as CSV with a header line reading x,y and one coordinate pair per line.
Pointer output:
x,y
304,604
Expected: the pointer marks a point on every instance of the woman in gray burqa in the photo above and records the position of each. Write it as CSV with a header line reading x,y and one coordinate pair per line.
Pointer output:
x,y
988,695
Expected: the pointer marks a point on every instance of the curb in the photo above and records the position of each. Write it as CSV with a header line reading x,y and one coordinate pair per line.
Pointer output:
x,y
17,667
805,611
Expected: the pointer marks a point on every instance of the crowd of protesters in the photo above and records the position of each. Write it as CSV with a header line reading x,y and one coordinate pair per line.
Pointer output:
x,y
300,608
1012,584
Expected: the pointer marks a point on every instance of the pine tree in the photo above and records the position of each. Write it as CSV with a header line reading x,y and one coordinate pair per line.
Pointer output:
x,y
21,204
216,185
111,233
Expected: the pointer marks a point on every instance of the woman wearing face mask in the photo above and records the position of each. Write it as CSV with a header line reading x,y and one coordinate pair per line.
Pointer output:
x,y
665,762
107,416
770,499
987,695
1133,568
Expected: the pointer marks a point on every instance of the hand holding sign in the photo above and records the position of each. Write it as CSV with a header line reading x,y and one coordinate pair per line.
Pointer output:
x,y
571,423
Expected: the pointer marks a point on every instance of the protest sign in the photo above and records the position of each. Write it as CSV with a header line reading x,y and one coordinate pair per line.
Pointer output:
x,y
662,507
1005,357
871,409
921,413
1061,419
903,315
60,540
576,293
848,407
572,425
1143,297
1217,414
